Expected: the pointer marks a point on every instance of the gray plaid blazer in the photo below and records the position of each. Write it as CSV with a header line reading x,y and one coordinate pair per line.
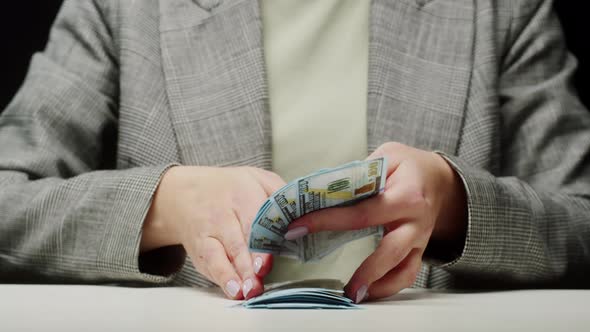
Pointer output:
x,y
126,88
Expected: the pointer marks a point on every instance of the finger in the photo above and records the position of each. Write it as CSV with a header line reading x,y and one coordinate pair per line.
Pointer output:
x,y
393,249
403,201
364,214
220,269
198,260
262,264
234,242
394,152
403,276
269,181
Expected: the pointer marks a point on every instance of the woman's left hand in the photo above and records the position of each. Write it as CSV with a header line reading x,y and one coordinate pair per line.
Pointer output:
x,y
424,199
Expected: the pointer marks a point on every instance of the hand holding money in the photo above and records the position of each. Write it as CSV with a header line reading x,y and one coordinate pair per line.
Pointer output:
x,y
208,211
344,185
424,200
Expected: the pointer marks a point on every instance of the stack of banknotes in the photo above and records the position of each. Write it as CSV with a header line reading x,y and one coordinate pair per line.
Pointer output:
x,y
309,294
343,185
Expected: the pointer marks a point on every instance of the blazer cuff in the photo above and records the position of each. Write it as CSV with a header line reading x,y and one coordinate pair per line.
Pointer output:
x,y
118,258
481,235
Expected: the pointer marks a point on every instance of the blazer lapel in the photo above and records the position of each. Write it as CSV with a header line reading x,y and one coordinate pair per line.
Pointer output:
x,y
420,64
216,81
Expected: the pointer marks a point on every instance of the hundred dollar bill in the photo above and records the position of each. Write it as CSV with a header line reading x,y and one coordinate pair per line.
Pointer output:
x,y
346,184
316,246
302,294
343,185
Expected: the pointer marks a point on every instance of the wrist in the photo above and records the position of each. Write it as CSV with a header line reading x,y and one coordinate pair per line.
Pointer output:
x,y
451,222
156,232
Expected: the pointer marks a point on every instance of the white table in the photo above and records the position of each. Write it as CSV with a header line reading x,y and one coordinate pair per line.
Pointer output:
x,y
96,308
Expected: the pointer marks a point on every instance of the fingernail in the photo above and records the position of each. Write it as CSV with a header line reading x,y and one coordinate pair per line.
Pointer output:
x,y
232,288
296,233
361,293
257,264
247,287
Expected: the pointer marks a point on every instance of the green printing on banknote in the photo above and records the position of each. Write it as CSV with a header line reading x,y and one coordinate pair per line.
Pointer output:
x,y
344,185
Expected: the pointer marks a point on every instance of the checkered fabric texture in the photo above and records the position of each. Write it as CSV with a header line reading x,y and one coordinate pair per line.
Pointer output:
x,y
125,89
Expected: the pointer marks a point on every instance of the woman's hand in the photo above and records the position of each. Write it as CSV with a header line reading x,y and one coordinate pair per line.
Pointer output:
x,y
423,200
209,212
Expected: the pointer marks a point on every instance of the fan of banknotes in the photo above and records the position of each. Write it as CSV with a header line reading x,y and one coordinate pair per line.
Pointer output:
x,y
305,294
343,185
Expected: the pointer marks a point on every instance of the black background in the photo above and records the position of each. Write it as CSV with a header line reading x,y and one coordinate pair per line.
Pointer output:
x,y
24,27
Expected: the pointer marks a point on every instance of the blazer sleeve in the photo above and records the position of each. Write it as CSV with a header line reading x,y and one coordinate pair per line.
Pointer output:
x,y
530,224
63,216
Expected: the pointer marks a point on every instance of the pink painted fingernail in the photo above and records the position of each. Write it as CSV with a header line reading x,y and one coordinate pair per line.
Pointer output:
x,y
296,233
257,264
247,287
361,293
232,287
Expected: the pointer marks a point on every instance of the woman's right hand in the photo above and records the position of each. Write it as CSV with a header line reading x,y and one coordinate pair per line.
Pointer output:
x,y
209,212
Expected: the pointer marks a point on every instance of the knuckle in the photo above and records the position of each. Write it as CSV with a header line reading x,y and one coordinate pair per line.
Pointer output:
x,y
391,248
235,248
414,198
